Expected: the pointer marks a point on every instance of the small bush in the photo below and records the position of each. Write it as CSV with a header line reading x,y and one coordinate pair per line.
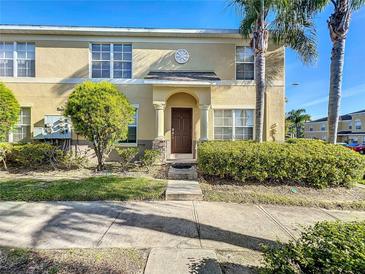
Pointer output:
x,y
327,247
126,155
5,149
73,160
34,155
309,162
150,156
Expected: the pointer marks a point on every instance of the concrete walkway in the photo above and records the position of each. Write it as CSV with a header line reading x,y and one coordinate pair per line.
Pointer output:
x,y
182,190
163,224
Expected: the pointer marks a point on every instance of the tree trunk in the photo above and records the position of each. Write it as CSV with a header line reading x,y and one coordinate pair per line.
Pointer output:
x,y
99,155
337,61
298,130
338,24
260,96
260,42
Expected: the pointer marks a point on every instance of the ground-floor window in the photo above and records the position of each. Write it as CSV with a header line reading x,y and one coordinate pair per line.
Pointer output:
x,y
233,124
132,131
21,131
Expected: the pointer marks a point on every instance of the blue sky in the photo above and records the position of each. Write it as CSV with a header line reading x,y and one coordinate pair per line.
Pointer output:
x,y
312,92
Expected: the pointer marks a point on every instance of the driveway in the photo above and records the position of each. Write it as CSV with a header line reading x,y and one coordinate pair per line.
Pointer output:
x,y
163,224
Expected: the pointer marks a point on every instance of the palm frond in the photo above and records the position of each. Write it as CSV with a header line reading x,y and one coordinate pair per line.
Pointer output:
x,y
357,4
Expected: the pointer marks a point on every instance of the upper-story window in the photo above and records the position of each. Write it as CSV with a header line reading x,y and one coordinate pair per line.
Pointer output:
x,y
310,129
111,61
17,59
323,127
357,124
245,68
350,125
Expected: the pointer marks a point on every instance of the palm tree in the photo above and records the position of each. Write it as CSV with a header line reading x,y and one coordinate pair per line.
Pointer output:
x,y
297,118
287,24
338,25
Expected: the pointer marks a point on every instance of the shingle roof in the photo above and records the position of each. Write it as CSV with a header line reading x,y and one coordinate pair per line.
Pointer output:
x,y
345,117
356,112
178,75
351,132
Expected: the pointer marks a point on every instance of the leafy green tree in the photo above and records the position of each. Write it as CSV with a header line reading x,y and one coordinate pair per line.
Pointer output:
x,y
286,23
101,113
296,119
9,111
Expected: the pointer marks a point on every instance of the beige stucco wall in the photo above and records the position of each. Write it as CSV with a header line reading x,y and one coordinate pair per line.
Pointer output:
x,y
360,117
70,59
343,125
62,60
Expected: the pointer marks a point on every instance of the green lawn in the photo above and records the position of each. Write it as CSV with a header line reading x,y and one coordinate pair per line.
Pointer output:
x,y
90,261
88,189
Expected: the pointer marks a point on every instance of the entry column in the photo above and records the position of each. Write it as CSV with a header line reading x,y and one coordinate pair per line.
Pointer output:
x,y
160,143
160,118
204,122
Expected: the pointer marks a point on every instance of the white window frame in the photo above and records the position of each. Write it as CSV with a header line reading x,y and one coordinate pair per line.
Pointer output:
x,y
235,64
323,126
15,58
136,106
358,124
11,133
234,123
111,68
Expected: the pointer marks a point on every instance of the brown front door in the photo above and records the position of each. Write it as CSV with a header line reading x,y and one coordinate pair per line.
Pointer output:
x,y
181,130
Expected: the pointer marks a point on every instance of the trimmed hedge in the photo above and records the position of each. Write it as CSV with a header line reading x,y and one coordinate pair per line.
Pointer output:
x,y
310,162
327,247
33,155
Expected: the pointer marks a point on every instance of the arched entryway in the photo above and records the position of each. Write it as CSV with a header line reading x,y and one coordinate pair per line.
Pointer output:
x,y
181,124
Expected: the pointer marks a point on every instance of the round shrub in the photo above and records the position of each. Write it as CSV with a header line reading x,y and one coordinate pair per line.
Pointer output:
x,y
308,162
327,247
126,154
9,111
150,156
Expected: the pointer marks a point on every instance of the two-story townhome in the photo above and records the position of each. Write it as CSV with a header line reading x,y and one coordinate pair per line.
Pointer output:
x,y
351,128
187,84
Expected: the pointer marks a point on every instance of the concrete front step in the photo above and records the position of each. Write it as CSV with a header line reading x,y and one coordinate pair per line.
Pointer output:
x,y
182,261
183,173
179,190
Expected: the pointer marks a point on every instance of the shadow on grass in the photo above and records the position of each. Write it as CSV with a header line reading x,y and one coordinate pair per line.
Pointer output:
x,y
88,189
16,260
211,266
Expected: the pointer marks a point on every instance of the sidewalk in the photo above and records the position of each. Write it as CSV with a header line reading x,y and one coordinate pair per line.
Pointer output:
x,y
162,224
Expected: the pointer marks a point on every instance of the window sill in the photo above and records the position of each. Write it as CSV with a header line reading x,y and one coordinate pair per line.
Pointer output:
x,y
127,145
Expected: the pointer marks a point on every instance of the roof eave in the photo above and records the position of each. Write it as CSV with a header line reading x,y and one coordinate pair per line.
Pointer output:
x,y
113,31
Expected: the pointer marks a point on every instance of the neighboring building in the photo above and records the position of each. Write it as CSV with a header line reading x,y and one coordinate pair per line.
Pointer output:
x,y
351,128
187,85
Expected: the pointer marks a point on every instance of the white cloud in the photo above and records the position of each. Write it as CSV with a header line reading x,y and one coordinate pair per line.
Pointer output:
x,y
350,92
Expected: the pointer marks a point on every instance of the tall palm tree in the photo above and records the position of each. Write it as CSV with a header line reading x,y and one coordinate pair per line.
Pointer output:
x,y
338,25
297,117
286,23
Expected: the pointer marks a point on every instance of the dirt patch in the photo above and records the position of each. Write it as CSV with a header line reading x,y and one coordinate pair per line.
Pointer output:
x,y
228,191
111,260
